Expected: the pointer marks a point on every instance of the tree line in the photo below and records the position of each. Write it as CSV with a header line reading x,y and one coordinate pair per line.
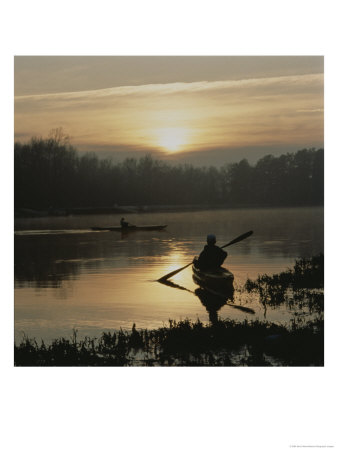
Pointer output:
x,y
51,173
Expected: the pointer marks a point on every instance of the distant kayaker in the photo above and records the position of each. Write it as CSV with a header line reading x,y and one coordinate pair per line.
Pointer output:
x,y
212,256
123,223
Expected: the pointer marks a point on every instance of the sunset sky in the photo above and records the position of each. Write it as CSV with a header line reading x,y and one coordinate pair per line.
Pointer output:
x,y
203,110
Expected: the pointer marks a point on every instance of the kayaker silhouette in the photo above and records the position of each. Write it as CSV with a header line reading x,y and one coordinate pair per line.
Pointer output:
x,y
211,257
123,223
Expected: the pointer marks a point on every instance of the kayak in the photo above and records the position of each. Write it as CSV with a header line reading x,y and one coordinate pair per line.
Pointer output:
x,y
218,281
131,228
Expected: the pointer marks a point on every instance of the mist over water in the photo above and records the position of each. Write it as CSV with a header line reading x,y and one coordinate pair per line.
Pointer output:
x,y
67,276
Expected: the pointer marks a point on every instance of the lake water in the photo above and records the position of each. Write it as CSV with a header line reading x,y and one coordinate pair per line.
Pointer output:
x,y
67,276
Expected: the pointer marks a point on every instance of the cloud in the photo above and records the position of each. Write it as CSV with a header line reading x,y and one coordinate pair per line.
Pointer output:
x,y
230,113
178,88
310,111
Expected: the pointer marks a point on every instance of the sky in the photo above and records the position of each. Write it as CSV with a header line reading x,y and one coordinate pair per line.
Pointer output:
x,y
204,110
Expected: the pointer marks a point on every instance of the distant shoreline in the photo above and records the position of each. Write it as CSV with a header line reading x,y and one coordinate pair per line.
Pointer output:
x,y
22,213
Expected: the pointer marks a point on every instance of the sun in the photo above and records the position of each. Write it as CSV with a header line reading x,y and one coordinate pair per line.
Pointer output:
x,y
172,139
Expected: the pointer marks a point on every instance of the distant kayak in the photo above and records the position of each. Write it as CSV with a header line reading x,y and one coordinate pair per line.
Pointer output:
x,y
131,228
217,281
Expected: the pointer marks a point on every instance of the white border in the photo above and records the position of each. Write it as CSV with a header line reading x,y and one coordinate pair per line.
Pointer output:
x,y
233,408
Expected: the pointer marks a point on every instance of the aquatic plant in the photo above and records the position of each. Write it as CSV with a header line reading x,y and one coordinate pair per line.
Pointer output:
x,y
299,287
186,343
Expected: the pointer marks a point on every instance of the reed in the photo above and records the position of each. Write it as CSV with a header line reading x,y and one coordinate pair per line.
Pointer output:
x,y
300,287
186,343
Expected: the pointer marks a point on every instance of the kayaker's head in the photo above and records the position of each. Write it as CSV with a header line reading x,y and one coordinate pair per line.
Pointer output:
x,y
211,239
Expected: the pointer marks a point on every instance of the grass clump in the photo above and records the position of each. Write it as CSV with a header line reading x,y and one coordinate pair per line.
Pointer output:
x,y
185,343
299,287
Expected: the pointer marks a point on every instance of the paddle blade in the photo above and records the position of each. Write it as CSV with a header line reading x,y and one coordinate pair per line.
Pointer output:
x,y
171,274
239,238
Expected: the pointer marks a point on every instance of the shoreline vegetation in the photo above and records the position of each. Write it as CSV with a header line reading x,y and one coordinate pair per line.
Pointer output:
x,y
22,213
221,343
52,178
185,343
301,287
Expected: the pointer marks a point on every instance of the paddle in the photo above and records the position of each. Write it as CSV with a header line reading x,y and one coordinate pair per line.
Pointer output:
x,y
234,241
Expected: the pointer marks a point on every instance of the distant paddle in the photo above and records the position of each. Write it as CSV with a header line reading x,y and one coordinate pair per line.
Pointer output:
x,y
234,241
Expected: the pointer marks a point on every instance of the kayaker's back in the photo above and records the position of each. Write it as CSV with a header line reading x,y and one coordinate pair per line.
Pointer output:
x,y
211,258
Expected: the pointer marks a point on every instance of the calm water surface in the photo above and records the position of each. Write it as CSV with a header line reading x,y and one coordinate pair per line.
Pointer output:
x,y
67,276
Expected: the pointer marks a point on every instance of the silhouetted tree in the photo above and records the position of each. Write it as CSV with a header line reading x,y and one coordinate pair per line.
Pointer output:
x,y
51,173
